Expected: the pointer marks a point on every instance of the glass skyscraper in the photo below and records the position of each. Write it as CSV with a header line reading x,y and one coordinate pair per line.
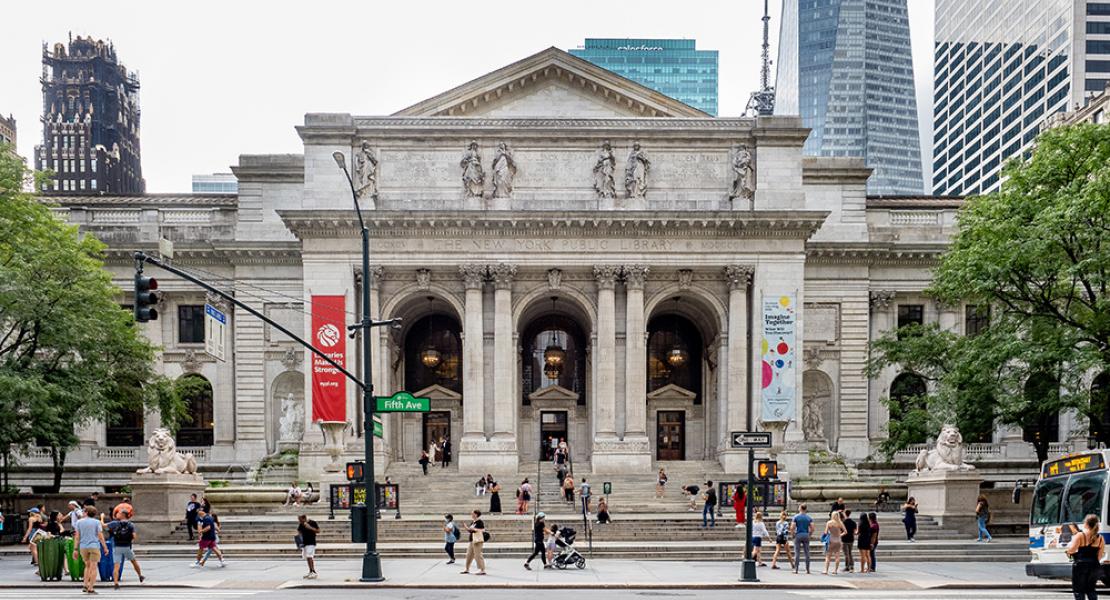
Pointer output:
x,y
1001,68
672,67
845,66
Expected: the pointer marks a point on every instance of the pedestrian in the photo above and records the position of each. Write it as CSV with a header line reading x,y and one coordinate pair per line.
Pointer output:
x,y
450,536
1087,549
307,529
552,545
863,535
539,528
802,525
191,508
88,544
36,522
494,497
837,504
848,539
123,507
691,492
782,542
433,447
759,533
91,500
603,511
446,451
660,483
568,489
874,519
480,486
207,544
53,524
834,529
75,514
584,494
739,499
561,474
292,495
882,499
205,504
983,517
909,518
123,535
523,496
708,514
424,460
477,530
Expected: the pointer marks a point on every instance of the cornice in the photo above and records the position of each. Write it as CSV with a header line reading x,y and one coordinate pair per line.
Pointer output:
x,y
245,253
916,202
874,254
144,201
554,224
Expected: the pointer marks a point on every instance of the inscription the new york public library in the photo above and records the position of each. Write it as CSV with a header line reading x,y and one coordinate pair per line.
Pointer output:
x,y
558,245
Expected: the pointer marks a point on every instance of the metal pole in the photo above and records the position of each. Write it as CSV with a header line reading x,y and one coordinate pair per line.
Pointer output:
x,y
747,570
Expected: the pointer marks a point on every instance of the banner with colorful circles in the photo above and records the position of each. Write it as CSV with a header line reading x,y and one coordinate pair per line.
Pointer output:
x,y
779,357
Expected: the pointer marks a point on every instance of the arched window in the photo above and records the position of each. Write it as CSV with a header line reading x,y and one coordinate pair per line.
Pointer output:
x,y
1042,426
433,354
199,423
1100,405
554,353
907,394
674,354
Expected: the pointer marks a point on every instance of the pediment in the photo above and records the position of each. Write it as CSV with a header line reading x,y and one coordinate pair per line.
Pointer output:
x,y
672,392
555,392
438,392
555,84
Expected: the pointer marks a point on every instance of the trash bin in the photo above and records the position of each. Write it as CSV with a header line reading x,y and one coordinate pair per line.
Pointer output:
x,y
105,564
76,565
50,558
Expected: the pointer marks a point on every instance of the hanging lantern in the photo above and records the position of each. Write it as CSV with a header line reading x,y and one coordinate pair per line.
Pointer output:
x,y
430,357
677,356
554,356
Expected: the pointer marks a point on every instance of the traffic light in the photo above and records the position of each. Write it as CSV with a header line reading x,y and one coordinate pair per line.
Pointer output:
x,y
354,471
146,296
767,470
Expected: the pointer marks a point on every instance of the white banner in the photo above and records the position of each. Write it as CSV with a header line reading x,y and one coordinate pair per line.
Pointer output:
x,y
779,357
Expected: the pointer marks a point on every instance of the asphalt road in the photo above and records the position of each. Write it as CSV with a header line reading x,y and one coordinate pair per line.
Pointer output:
x,y
516,594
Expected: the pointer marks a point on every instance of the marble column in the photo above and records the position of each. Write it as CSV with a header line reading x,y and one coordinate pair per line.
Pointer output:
x,y
635,362
504,409
605,398
473,366
739,278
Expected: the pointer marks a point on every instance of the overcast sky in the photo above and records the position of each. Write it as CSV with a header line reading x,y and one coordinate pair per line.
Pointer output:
x,y
225,78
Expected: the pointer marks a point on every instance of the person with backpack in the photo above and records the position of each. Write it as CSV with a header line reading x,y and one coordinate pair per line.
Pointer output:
x,y
307,529
451,535
424,460
123,535
983,517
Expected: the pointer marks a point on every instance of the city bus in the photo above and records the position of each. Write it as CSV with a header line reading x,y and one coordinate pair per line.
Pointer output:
x,y
1068,489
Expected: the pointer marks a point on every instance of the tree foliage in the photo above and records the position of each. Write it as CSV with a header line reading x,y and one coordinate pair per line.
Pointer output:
x,y
68,353
1037,252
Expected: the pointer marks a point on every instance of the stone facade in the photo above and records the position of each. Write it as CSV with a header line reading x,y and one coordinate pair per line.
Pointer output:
x,y
634,296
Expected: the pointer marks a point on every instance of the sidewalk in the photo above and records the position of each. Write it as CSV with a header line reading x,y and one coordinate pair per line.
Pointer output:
x,y
508,573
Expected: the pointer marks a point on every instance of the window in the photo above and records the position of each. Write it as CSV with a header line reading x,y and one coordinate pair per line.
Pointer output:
x,y
674,354
190,324
433,354
910,314
976,319
1084,496
198,426
1046,501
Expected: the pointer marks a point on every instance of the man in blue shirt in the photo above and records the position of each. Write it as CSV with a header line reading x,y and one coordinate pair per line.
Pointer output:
x,y
88,542
802,526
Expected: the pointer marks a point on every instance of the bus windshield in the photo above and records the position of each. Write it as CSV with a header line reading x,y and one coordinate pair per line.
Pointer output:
x,y
1085,492
1046,501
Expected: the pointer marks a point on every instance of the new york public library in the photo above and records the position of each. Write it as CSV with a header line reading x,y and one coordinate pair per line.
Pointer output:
x,y
573,256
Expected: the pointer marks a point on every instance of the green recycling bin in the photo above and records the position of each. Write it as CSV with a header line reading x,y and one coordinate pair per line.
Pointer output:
x,y
76,565
50,552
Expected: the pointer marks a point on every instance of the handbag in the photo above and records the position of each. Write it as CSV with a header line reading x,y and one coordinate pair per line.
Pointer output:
x,y
298,540
485,536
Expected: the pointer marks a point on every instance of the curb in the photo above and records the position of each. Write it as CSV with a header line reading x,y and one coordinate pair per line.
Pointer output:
x,y
291,585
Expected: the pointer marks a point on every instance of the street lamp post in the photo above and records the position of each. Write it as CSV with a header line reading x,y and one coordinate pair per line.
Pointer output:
x,y
371,560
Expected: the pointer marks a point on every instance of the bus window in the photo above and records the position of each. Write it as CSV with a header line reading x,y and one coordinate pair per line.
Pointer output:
x,y
1084,496
1046,501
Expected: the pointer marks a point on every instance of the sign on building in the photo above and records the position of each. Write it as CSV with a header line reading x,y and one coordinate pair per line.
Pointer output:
x,y
215,326
779,354
329,386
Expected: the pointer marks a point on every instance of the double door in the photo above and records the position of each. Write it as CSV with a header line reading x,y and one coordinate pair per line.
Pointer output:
x,y
670,435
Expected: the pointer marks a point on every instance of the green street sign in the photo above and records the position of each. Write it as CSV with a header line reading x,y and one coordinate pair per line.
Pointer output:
x,y
402,402
377,427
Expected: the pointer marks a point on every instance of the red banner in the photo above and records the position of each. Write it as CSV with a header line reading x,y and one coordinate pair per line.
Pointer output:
x,y
329,386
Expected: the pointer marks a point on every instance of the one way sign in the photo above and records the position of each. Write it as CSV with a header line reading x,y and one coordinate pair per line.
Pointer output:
x,y
751,439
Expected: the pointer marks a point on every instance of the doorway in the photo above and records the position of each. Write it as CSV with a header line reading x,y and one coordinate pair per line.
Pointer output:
x,y
670,435
437,426
553,425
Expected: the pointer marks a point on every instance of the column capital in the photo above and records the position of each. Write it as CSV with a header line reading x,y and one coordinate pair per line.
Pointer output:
x,y
606,276
634,276
473,275
503,274
881,299
739,276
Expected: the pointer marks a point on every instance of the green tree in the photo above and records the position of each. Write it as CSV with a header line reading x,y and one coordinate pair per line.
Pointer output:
x,y
68,353
1037,253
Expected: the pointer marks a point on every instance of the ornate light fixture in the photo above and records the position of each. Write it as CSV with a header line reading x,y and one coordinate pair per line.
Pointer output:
x,y
554,355
430,357
677,355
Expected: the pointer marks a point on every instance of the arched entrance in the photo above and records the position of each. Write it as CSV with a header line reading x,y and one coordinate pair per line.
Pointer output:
x,y
554,374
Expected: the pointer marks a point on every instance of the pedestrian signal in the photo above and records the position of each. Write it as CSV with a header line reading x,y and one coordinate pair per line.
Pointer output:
x,y
767,470
354,471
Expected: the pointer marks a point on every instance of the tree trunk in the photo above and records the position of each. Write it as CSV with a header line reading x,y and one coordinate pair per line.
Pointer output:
x,y
59,459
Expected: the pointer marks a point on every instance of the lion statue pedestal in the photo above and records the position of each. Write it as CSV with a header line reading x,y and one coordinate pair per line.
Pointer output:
x,y
160,490
944,486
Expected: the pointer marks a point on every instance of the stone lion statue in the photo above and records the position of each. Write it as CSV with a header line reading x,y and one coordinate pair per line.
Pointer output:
x,y
164,457
948,454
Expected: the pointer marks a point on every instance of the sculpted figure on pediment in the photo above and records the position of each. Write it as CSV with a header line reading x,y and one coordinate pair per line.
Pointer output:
x,y
473,176
743,182
636,172
366,172
604,167
504,170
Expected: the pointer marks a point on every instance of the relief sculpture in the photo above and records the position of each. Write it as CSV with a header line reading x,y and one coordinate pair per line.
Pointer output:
x,y
604,168
473,177
635,174
743,181
366,172
504,170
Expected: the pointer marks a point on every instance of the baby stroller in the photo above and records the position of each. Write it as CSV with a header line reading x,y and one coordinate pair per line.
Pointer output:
x,y
567,554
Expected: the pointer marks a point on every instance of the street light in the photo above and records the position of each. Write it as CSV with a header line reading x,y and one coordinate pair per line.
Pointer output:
x,y
371,560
